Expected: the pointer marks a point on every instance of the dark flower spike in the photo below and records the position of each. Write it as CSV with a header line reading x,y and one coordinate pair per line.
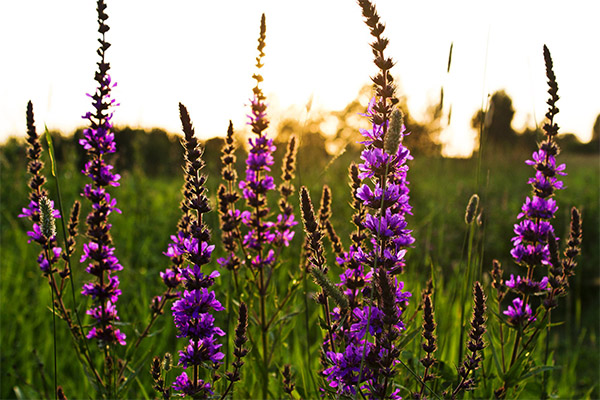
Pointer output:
x,y
313,232
573,244
239,350
72,230
325,206
325,223
40,211
287,170
429,344
471,209
551,127
475,345
288,383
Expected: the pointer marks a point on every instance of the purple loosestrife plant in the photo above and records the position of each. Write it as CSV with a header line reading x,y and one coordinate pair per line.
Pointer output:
x,y
255,237
99,253
360,352
192,311
45,238
535,246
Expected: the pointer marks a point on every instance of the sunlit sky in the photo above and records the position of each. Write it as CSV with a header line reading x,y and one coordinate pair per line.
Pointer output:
x,y
202,54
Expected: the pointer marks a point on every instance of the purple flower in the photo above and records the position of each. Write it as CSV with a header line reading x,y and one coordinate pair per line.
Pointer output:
x,y
517,314
343,374
530,254
45,264
189,251
201,351
103,291
192,304
186,388
373,199
529,231
527,286
171,278
359,328
98,141
375,162
387,226
538,208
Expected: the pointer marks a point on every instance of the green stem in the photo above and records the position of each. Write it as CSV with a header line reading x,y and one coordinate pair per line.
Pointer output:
x,y
53,331
264,338
516,347
465,291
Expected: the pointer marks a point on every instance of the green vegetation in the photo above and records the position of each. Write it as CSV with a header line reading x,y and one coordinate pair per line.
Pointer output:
x,y
149,198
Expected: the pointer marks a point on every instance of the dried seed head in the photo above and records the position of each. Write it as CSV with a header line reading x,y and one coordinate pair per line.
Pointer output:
x,y
47,217
394,134
167,361
288,383
471,209
155,368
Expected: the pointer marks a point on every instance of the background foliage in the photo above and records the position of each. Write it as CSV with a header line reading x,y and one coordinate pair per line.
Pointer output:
x,y
150,162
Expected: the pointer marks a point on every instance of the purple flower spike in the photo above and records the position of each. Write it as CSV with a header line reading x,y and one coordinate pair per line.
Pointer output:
x,y
99,141
189,252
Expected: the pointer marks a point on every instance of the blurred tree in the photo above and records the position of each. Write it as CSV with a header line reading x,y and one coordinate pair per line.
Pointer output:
x,y
423,138
496,123
312,144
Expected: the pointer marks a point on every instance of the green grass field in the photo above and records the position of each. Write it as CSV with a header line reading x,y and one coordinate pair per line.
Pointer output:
x,y
440,189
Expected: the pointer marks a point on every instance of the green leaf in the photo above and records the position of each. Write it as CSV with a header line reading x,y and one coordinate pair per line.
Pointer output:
x,y
407,338
494,353
539,369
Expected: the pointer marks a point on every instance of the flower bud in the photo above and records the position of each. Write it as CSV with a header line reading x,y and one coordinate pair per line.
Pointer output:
x,y
47,219
471,209
393,135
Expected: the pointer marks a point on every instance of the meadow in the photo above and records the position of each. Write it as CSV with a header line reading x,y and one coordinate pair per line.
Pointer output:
x,y
447,256
440,187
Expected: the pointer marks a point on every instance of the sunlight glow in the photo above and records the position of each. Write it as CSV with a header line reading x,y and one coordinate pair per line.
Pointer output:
x,y
202,54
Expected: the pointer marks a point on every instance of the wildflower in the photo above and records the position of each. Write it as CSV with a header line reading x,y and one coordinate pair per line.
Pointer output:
x,y
535,235
40,210
526,285
192,311
381,202
98,141
186,387
519,313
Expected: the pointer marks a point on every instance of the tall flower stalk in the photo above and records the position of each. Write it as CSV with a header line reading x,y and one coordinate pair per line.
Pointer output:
x,y
99,252
192,312
254,238
535,246
360,353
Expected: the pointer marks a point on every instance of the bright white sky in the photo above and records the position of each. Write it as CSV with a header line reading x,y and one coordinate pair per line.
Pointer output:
x,y
202,54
